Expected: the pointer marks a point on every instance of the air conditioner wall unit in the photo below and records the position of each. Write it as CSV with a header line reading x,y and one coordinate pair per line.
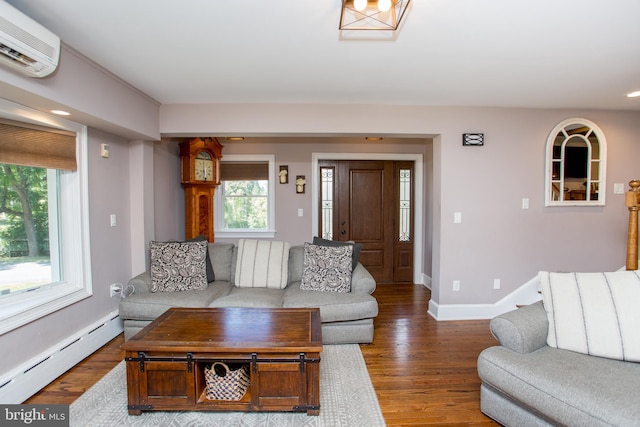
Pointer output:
x,y
26,45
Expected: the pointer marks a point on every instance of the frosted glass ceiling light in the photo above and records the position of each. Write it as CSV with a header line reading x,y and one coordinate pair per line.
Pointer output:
x,y
359,5
372,15
384,5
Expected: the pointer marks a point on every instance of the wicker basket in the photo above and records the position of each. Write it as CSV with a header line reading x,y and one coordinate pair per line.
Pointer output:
x,y
224,383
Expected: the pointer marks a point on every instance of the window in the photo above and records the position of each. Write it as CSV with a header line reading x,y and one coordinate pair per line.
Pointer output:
x,y
404,202
576,164
244,205
326,196
44,240
25,246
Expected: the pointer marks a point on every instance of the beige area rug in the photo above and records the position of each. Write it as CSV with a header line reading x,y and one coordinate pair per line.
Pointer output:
x,y
347,398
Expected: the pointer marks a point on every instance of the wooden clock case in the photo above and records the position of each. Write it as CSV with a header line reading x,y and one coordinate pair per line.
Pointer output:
x,y
199,193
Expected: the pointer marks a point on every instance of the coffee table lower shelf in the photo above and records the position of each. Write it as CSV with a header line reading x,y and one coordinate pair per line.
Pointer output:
x,y
170,382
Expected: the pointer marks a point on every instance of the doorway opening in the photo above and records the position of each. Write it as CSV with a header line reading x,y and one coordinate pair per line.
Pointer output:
x,y
378,202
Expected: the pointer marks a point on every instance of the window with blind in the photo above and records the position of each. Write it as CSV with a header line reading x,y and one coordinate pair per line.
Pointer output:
x,y
244,199
43,223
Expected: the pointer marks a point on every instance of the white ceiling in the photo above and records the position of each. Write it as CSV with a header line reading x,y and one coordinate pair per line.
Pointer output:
x,y
526,53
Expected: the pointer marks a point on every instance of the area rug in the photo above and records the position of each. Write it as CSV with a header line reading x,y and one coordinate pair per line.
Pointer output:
x,y
347,398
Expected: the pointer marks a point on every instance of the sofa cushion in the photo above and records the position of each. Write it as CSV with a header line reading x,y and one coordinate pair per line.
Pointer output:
x,y
148,306
209,268
262,264
250,297
327,268
296,263
567,388
593,313
334,307
178,266
221,259
355,255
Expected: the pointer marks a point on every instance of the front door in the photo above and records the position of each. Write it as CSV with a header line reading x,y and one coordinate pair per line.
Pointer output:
x,y
370,202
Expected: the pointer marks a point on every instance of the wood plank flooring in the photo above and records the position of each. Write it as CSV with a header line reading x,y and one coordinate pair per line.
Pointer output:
x,y
423,371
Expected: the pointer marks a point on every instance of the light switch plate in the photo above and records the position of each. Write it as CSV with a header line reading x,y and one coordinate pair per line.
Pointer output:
x,y
618,188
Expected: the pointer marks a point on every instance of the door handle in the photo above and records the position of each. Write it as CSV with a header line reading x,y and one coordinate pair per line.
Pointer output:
x,y
343,232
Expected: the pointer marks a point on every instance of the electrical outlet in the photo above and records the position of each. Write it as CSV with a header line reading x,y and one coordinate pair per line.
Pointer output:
x,y
115,289
456,285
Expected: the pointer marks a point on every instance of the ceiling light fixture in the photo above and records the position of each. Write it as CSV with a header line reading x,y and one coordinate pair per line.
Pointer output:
x,y
634,94
61,112
372,14
234,138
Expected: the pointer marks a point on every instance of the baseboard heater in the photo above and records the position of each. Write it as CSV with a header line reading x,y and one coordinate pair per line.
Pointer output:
x,y
26,380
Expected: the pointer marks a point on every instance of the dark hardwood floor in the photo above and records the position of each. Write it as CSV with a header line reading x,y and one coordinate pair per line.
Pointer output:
x,y
423,371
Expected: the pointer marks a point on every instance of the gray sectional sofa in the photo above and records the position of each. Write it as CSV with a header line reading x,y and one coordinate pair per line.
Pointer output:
x,y
527,383
346,317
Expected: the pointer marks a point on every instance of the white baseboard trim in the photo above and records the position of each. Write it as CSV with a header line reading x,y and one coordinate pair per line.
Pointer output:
x,y
426,281
27,379
524,295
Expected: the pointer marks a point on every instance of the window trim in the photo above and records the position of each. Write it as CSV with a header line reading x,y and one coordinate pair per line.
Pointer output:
x,y
22,308
270,231
602,164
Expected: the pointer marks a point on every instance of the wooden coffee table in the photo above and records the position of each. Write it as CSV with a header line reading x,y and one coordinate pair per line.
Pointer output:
x,y
166,360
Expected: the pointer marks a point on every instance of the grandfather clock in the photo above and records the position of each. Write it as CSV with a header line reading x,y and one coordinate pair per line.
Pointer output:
x,y
200,175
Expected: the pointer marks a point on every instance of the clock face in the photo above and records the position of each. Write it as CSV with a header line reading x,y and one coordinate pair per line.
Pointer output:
x,y
204,170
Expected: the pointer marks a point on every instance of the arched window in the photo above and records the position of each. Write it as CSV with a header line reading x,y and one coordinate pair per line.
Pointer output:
x,y
576,164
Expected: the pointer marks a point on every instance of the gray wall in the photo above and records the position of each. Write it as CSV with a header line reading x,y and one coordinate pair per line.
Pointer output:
x,y
496,239
110,255
116,113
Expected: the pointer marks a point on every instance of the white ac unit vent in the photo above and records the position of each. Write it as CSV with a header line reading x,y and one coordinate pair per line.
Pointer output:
x,y
26,45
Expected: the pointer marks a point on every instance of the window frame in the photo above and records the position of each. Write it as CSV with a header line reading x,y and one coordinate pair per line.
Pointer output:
x,y
73,232
601,161
269,232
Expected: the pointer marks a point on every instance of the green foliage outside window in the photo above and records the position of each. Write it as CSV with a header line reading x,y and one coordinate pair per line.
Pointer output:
x,y
245,204
24,216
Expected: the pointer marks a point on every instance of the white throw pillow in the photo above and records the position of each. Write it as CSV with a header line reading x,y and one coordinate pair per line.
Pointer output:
x,y
262,264
593,313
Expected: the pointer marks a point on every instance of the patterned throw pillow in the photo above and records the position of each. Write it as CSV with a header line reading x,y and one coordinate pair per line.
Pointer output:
x,y
178,266
357,247
327,268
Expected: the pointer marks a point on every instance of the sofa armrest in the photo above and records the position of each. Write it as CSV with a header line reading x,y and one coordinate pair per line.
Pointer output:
x,y
523,330
362,282
141,283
